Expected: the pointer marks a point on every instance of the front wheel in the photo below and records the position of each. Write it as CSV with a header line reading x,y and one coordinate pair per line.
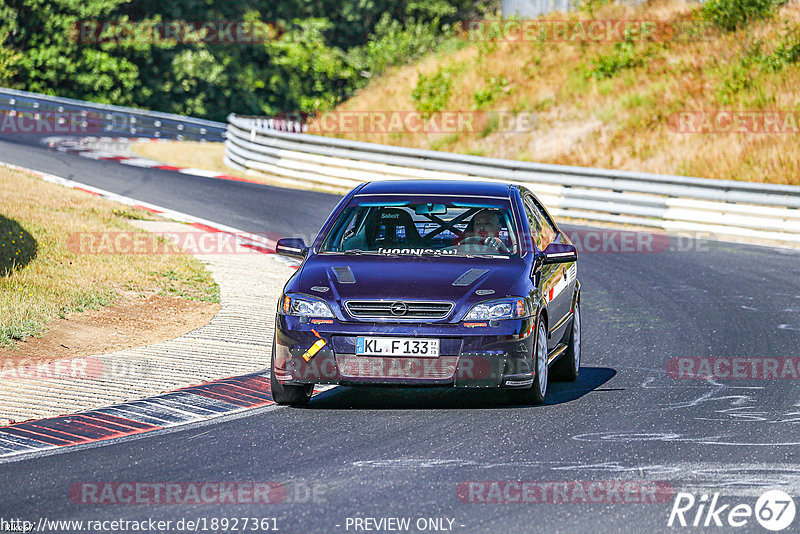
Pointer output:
x,y
293,395
537,392
569,364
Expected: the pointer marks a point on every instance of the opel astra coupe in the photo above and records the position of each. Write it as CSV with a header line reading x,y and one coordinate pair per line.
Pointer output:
x,y
430,283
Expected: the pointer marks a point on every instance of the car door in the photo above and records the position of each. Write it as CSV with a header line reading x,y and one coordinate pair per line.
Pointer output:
x,y
553,276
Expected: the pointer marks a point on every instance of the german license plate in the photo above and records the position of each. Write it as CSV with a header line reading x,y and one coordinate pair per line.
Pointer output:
x,y
397,346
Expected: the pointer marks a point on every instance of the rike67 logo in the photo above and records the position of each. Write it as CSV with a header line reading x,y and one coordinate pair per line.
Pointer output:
x,y
774,511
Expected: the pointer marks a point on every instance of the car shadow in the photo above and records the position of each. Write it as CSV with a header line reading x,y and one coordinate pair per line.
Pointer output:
x,y
17,246
403,398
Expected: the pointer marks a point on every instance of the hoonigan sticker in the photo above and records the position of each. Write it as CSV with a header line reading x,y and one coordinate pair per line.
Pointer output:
x,y
418,251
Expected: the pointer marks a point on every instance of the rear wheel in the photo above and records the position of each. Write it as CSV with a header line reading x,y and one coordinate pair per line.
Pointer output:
x,y
288,393
538,390
569,365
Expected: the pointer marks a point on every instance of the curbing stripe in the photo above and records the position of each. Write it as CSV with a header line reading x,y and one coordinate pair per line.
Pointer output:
x,y
194,405
199,172
18,442
151,210
98,422
87,191
75,428
186,405
173,409
147,413
232,396
173,414
176,408
211,405
73,147
46,439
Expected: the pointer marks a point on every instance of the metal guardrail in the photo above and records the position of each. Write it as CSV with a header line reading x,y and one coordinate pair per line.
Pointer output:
x,y
722,208
105,120
534,8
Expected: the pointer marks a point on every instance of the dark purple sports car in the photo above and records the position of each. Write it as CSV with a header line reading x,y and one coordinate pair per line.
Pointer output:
x,y
430,283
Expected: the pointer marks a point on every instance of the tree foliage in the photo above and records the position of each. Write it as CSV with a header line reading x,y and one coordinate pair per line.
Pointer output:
x,y
326,50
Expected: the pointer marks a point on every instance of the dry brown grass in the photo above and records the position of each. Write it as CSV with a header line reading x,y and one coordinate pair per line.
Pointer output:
x,y
202,155
194,154
621,121
37,219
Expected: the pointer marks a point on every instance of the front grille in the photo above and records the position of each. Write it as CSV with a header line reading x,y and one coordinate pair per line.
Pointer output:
x,y
398,309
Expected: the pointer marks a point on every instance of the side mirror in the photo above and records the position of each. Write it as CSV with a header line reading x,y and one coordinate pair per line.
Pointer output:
x,y
291,246
560,253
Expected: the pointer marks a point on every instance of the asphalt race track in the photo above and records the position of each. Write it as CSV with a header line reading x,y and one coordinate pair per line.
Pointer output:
x,y
406,453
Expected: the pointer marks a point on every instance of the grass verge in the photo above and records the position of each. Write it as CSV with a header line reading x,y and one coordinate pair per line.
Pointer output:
x,y
206,156
41,279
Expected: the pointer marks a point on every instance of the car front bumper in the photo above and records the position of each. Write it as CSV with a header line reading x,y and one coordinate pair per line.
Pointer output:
x,y
469,355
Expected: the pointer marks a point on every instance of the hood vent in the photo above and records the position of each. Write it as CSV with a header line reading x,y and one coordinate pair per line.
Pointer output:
x,y
470,276
344,274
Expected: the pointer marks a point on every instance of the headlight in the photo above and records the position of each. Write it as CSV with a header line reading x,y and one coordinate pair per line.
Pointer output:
x,y
498,309
304,306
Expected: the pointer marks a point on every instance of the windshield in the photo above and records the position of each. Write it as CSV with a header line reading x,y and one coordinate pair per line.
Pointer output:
x,y
435,226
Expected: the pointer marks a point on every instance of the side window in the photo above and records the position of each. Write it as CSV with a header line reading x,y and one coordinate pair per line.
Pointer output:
x,y
351,239
542,232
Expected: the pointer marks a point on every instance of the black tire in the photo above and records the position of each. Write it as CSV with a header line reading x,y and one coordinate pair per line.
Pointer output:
x,y
568,366
538,390
285,393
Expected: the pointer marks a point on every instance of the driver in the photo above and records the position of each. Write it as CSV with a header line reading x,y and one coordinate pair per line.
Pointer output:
x,y
486,230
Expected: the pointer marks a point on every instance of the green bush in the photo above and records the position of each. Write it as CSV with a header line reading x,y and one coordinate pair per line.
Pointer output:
x,y
740,75
623,57
730,15
590,6
739,79
487,95
786,53
432,92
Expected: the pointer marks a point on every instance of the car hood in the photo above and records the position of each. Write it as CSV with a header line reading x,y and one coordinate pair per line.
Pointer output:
x,y
413,278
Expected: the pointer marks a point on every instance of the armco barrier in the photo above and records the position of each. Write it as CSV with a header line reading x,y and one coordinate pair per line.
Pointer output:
x,y
278,147
108,120
722,208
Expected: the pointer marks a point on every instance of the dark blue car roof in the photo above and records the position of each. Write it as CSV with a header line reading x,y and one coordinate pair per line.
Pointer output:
x,y
437,187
